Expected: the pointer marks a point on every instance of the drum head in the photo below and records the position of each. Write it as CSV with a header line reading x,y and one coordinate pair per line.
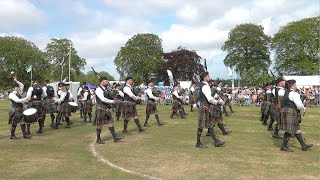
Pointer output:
x,y
29,111
73,104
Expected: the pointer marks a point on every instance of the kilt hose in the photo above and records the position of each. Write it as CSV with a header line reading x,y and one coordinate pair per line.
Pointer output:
x,y
265,108
151,108
17,117
102,116
87,106
271,111
129,110
38,105
226,101
204,120
176,105
289,120
64,110
215,114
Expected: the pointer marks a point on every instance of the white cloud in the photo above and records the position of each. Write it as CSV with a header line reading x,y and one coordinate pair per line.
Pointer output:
x,y
19,14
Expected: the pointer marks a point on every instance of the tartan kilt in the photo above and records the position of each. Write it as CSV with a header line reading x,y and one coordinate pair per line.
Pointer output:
x,y
277,114
64,110
80,105
204,120
289,120
215,114
176,105
87,106
129,109
271,111
17,117
151,108
38,105
45,107
102,116
226,101
119,107
265,107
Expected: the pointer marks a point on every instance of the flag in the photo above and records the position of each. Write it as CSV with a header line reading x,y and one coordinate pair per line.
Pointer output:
x,y
205,64
230,72
28,68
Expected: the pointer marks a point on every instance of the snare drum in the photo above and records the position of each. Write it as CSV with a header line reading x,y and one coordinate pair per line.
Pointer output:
x,y
30,115
73,107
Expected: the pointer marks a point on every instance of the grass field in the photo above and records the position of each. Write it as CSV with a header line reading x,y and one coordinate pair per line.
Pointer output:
x,y
167,152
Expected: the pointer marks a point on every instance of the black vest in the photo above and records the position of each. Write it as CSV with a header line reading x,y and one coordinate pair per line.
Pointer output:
x,y
202,97
66,98
36,92
50,91
149,99
17,105
103,104
126,96
174,97
287,102
89,95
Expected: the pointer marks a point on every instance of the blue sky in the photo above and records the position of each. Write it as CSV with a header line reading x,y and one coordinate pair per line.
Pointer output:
x,y
98,28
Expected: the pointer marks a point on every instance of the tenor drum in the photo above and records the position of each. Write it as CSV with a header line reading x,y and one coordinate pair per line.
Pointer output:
x,y
73,107
30,115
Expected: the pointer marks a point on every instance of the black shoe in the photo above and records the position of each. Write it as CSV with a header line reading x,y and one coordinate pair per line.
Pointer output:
x,y
306,147
39,131
160,124
171,117
219,143
67,126
84,121
141,130
13,137
276,136
200,145
117,139
227,132
52,125
264,123
146,125
99,141
125,131
286,149
27,137
270,129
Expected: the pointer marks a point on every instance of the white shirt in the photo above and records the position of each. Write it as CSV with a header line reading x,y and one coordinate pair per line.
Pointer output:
x,y
13,96
207,93
99,94
44,91
21,86
151,96
192,89
85,96
120,93
268,91
79,91
63,96
127,90
175,93
280,92
295,97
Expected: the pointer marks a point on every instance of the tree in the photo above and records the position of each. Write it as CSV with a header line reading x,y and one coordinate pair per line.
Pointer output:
x,y
296,47
58,49
247,50
91,78
16,54
184,64
140,57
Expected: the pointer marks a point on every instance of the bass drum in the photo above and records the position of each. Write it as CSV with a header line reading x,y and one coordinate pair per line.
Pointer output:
x,y
30,115
73,107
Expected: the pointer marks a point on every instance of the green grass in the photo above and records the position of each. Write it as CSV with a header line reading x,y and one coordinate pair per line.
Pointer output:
x,y
167,151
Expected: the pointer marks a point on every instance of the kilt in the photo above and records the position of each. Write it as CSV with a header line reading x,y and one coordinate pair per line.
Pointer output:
x,y
151,108
226,101
277,114
87,106
80,105
102,116
38,105
129,109
215,114
204,120
17,117
64,110
271,111
176,105
289,120
265,108
119,108
45,107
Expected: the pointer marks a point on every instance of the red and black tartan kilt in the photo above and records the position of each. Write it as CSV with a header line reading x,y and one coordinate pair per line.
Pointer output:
x,y
215,114
64,110
129,110
176,105
151,108
38,105
289,120
226,101
17,117
102,116
204,120
87,106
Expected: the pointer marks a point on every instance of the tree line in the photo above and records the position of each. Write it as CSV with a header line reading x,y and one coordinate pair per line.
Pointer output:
x,y
248,48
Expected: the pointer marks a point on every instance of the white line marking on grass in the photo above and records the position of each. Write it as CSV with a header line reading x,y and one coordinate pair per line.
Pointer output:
x,y
103,160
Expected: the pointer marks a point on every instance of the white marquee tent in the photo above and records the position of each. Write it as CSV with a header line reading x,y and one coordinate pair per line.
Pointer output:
x,y
305,81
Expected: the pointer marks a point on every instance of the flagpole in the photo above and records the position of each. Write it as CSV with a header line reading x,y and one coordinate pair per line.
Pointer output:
x,y
69,60
31,76
62,69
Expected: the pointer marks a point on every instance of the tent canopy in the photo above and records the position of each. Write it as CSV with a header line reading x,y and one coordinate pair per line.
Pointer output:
x,y
305,81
